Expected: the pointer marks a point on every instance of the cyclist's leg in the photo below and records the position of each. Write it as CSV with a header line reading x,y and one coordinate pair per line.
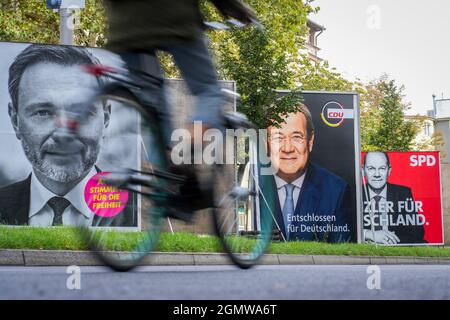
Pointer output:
x,y
197,68
149,63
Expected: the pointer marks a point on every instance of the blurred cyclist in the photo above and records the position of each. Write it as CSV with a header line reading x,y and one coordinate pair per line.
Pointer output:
x,y
175,26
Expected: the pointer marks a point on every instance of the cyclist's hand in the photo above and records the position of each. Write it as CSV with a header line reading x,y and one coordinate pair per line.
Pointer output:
x,y
236,9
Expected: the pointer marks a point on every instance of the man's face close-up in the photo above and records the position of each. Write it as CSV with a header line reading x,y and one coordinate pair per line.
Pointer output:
x,y
48,91
290,147
376,170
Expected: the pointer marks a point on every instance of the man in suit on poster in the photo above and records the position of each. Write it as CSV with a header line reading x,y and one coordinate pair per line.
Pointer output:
x,y
387,217
45,82
313,203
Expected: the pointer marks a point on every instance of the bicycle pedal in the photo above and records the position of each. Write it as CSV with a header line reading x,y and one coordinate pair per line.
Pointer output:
x,y
240,192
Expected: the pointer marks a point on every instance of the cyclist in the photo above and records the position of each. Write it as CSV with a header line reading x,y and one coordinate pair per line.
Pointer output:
x,y
175,26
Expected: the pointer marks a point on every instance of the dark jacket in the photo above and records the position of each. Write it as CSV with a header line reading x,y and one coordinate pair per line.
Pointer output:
x,y
406,234
141,25
144,24
322,194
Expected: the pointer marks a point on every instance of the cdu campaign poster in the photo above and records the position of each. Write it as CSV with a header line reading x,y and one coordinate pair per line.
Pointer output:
x,y
402,198
314,172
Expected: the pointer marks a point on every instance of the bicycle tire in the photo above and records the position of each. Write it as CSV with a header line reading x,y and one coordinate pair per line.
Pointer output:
x,y
246,241
121,250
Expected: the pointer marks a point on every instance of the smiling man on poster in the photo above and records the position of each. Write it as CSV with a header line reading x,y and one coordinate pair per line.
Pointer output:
x,y
46,83
390,213
313,203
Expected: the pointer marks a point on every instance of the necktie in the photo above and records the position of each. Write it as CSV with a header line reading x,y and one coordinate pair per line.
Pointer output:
x,y
382,215
377,203
288,208
58,204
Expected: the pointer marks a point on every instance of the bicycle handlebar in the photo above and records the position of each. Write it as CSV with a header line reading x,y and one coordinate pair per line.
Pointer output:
x,y
232,23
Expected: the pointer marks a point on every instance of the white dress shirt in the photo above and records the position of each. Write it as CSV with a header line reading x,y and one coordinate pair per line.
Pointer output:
x,y
77,213
298,183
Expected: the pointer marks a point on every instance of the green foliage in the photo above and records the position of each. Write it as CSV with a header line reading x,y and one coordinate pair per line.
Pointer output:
x,y
383,122
260,63
91,31
31,21
258,74
319,76
25,21
65,238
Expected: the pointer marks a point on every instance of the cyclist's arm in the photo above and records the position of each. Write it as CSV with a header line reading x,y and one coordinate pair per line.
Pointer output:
x,y
235,9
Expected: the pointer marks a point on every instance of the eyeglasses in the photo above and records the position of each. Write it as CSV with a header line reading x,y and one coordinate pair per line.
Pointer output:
x,y
295,139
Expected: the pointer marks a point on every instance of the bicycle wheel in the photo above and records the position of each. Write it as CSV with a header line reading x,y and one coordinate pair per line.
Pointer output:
x,y
127,220
243,216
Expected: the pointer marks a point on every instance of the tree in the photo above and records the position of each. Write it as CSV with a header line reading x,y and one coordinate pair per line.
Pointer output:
x,y
383,122
31,21
276,59
259,62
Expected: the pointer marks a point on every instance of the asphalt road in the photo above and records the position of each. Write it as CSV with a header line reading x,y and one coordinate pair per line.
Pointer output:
x,y
228,282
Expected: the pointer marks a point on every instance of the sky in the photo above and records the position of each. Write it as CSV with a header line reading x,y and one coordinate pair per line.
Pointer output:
x,y
407,39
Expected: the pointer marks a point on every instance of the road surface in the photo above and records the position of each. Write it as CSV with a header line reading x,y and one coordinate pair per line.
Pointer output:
x,y
228,282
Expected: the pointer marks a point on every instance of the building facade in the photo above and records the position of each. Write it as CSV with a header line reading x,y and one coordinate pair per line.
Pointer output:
x,y
315,30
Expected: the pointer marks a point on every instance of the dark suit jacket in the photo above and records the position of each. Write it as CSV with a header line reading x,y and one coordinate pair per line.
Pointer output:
x,y
322,194
406,234
15,207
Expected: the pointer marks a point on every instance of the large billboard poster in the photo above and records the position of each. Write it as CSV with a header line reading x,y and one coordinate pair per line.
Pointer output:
x,y
402,198
314,157
42,175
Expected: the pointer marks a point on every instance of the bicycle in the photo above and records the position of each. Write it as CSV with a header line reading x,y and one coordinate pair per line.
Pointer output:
x,y
154,190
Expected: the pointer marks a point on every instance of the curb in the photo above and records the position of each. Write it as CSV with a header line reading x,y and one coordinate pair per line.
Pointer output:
x,y
87,258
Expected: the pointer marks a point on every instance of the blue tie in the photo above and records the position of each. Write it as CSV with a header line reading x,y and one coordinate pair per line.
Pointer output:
x,y
288,208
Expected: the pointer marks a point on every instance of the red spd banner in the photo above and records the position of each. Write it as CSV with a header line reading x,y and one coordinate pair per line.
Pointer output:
x,y
402,198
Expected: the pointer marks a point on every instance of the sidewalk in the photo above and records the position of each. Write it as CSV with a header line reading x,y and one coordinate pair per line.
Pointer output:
x,y
86,258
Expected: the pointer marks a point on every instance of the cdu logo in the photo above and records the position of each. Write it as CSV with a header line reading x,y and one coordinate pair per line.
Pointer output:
x,y
334,114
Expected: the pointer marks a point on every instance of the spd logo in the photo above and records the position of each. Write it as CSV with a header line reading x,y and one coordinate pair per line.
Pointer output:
x,y
334,114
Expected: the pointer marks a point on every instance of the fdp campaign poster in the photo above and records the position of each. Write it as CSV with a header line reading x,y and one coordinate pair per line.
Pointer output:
x,y
402,198
42,178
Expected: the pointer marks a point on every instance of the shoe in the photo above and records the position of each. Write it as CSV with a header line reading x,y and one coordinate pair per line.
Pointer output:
x,y
195,193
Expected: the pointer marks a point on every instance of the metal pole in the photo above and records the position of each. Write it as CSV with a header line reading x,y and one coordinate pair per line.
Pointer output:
x,y
66,26
434,107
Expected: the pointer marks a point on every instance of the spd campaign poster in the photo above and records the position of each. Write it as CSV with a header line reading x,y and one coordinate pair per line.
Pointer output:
x,y
402,198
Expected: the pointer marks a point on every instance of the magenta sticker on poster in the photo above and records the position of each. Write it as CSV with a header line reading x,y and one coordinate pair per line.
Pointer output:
x,y
104,200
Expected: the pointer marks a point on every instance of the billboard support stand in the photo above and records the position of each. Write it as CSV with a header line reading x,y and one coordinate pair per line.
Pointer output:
x,y
66,9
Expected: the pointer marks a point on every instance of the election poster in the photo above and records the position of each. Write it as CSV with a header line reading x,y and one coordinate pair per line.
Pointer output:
x,y
402,198
314,169
46,180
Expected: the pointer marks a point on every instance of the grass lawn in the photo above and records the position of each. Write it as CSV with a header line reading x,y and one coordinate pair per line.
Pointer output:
x,y
69,239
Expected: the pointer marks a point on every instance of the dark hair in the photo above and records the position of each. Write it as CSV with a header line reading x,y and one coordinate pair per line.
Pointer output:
x,y
34,54
388,162
309,121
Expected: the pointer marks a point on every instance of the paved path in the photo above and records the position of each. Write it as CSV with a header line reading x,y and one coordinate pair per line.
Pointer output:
x,y
228,282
